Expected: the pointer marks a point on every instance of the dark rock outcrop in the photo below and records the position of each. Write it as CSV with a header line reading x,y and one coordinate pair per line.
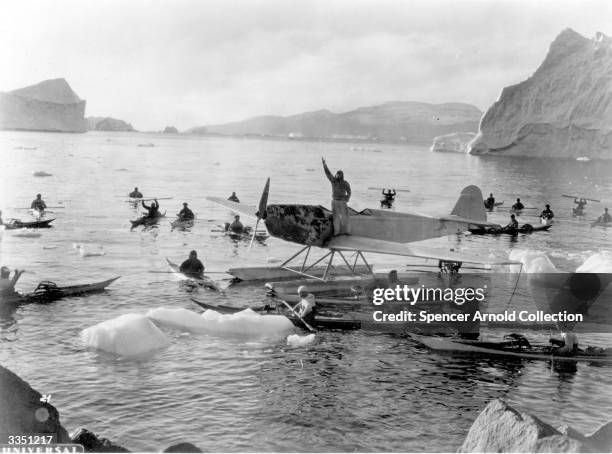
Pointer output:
x,y
108,124
48,106
501,428
170,130
563,110
182,447
22,412
411,122
91,443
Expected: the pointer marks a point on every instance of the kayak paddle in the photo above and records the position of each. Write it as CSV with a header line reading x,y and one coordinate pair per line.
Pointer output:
x,y
578,197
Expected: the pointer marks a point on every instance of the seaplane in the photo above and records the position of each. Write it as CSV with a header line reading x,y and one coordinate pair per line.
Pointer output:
x,y
372,231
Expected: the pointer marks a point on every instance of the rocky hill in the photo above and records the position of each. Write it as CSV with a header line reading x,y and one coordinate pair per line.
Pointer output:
x,y
563,110
108,124
411,122
50,105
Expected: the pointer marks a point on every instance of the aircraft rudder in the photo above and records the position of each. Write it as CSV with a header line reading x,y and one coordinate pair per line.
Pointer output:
x,y
470,204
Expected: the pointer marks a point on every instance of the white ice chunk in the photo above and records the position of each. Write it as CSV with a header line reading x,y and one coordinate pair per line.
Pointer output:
x,y
600,262
295,340
245,323
533,261
126,335
178,318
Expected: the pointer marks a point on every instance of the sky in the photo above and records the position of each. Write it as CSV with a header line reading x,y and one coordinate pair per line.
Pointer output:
x,y
187,63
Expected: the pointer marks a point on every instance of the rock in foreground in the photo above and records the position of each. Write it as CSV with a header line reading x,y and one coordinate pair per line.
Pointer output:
x,y
501,428
48,106
22,412
563,110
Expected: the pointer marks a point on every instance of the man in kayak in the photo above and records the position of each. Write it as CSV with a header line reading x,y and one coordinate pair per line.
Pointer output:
x,y
579,210
605,217
153,209
236,226
7,285
233,198
389,195
341,193
38,203
513,224
306,308
186,214
192,267
136,194
547,213
567,345
518,206
490,202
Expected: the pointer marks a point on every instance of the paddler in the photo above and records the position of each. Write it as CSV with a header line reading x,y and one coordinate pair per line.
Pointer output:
x,y
233,198
236,226
605,217
7,285
547,213
389,195
568,344
186,214
490,202
513,224
136,194
341,193
38,203
518,206
153,209
581,203
306,308
192,267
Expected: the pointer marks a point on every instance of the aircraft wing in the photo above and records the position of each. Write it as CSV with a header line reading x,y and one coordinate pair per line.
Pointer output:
x,y
243,208
452,217
363,244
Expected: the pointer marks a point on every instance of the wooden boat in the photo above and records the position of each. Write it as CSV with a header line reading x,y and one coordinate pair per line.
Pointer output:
x,y
47,292
509,349
205,282
525,228
17,224
147,221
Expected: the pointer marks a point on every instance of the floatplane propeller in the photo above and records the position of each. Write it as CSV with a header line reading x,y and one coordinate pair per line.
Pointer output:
x,y
372,230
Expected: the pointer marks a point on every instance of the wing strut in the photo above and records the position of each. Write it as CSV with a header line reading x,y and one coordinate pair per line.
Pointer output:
x,y
304,269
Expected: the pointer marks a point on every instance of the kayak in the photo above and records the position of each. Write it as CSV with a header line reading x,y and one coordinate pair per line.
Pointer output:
x,y
182,224
147,221
17,224
246,234
510,349
205,282
601,224
496,204
526,228
47,292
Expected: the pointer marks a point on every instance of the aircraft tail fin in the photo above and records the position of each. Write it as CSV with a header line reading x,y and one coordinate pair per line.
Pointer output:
x,y
470,204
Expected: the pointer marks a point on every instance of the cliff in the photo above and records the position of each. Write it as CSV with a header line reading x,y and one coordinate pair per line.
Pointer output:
x,y
411,122
563,110
107,124
48,106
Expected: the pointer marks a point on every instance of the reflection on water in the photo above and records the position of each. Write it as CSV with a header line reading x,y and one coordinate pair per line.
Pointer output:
x,y
348,390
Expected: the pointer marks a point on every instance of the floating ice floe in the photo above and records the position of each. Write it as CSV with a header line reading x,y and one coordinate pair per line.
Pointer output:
x,y
583,158
127,335
90,251
600,262
295,340
245,323
178,318
533,262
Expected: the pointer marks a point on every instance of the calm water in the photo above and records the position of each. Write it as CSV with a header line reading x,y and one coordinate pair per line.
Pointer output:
x,y
346,391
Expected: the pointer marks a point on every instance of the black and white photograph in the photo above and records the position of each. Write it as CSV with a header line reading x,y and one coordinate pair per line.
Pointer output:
x,y
279,226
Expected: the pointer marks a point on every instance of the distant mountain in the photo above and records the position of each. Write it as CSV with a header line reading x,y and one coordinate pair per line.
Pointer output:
x,y
108,124
412,122
50,105
563,110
